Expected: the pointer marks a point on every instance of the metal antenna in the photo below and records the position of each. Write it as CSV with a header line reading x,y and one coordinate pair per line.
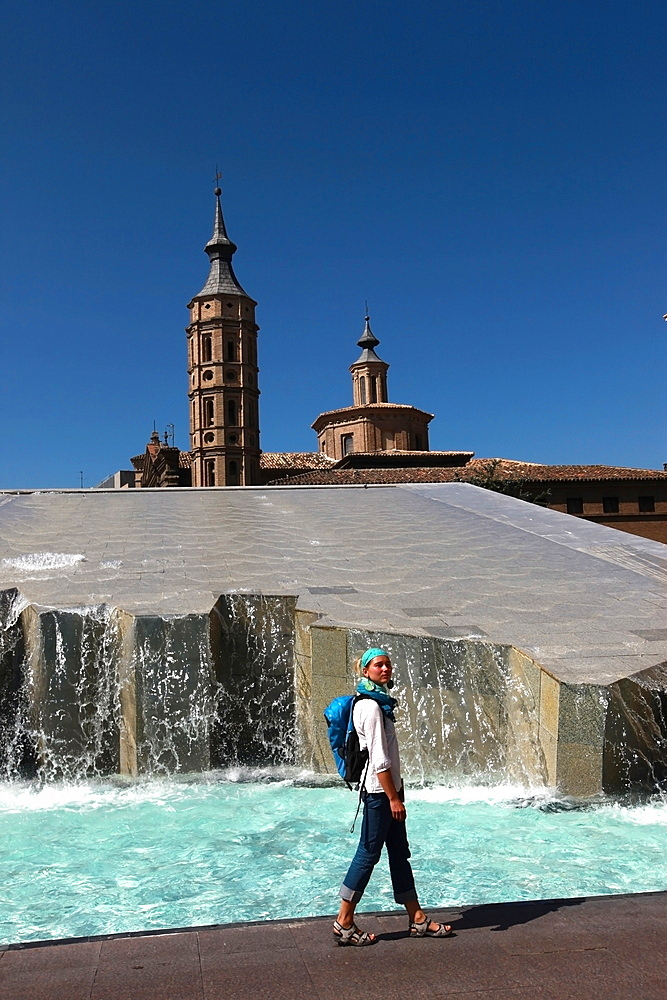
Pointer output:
x,y
81,479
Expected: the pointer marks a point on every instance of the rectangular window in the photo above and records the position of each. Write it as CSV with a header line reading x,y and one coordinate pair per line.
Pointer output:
x,y
347,443
610,505
646,505
575,505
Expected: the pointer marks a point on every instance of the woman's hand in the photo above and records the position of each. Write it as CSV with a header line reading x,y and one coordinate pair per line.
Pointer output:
x,y
398,810
395,798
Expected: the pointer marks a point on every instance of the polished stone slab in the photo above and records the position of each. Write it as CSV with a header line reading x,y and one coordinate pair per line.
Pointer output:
x,y
586,601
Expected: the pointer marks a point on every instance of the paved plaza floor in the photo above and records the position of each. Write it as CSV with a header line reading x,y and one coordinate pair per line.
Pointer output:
x,y
600,948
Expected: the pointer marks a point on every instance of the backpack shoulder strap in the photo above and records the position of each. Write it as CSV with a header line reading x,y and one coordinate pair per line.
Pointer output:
x,y
363,697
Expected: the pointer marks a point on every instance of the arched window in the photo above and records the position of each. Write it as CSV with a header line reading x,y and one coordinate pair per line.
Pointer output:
x,y
231,350
231,413
206,348
209,472
362,390
347,442
374,389
209,417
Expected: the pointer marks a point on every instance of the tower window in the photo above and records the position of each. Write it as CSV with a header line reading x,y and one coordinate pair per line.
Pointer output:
x,y
209,472
208,375
231,413
646,505
374,389
230,376
208,412
233,474
347,443
362,390
575,505
231,350
206,348
209,438
610,505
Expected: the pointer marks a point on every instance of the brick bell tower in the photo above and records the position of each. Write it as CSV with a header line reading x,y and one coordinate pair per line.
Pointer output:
x,y
222,372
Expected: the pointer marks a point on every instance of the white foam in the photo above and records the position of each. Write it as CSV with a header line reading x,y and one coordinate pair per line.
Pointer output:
x,y
493,794
38,562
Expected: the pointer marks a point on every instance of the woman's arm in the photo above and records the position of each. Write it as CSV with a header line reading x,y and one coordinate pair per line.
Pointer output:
x,y
370,723
398,810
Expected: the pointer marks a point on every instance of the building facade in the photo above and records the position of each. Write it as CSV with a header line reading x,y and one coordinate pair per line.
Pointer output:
x,y
222,372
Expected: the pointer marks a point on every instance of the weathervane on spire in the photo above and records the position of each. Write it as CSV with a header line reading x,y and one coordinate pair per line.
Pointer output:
x,y
218,177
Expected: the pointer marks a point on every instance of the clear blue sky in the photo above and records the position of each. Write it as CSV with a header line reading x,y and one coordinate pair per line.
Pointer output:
x,y
489,174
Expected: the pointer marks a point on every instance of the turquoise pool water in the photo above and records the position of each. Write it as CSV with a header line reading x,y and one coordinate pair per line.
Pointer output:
x,y
100,858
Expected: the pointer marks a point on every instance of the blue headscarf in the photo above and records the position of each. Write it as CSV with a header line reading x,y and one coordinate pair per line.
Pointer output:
x,y
370,654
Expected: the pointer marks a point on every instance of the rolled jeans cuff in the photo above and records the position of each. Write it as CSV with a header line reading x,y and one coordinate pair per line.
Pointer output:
x,y
351,895
409,896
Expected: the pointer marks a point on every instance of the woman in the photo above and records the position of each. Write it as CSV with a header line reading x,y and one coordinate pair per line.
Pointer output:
x,y
384,812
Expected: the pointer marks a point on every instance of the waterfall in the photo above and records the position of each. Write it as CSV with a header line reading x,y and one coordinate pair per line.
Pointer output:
x,y
60,705
254,718
94,690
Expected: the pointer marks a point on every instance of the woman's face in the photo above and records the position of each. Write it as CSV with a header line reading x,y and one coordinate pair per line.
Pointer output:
x,y
378,669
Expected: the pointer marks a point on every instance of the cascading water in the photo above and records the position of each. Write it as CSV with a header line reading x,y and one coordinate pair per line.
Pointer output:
x,y
93,690
17,756
254,713
166,694
60,669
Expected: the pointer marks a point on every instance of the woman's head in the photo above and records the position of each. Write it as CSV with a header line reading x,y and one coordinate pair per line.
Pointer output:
x,y
376,665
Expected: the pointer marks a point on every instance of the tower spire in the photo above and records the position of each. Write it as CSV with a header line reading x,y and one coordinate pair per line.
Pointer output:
x,y
220,249
368,342
369,372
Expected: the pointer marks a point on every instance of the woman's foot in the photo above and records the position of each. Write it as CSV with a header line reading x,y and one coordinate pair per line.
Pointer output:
x,y
352,935
429,928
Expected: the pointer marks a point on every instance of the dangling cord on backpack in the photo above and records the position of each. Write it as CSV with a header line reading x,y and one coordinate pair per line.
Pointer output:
x,y
361,790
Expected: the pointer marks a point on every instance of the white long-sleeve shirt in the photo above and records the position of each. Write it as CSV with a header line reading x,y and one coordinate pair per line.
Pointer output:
x,y
377,732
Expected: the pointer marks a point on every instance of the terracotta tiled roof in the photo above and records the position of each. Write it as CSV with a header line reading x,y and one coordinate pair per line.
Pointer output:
x,y
184,459
509,468
348,477
294,460
503,469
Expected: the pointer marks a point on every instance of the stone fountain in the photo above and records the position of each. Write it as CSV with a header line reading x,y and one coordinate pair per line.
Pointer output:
x,y
153,631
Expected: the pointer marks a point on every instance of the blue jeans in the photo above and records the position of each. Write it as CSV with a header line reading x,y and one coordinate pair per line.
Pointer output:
x,y
379,828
